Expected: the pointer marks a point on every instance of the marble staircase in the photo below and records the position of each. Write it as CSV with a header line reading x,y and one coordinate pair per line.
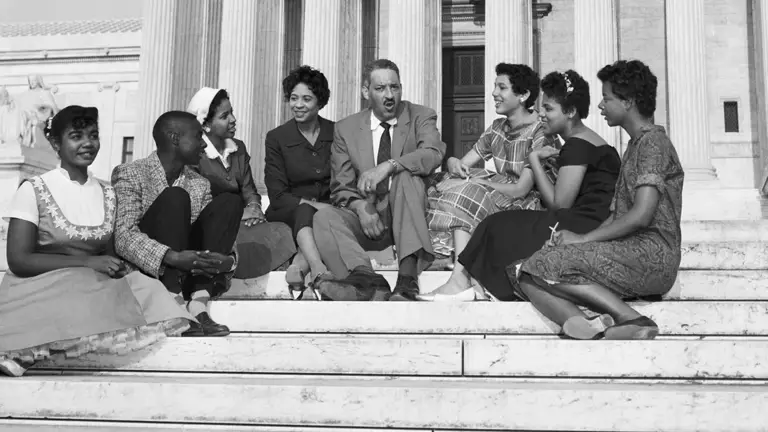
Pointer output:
x,y
344,366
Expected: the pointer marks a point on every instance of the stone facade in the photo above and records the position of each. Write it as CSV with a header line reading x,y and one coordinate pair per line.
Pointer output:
x,y
98,63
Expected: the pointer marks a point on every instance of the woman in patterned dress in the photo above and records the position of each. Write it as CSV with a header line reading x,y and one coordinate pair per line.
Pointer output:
x,y
462,197
63,294
578,201
636,251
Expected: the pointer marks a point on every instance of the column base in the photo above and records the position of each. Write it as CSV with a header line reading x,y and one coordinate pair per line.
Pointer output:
x,y
709,201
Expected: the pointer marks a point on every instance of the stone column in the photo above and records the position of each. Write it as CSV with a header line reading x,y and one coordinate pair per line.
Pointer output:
x,y
760,18
596,45
155,70
507,39
687,86
350,59
408,47
251,47
434,29
179,54
321,48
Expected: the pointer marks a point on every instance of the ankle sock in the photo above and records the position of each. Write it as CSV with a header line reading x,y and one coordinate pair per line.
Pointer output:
x,y
199,303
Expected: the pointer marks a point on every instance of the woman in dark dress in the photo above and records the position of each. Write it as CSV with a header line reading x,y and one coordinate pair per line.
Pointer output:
x,y
298,171
262,247
636,252
579,200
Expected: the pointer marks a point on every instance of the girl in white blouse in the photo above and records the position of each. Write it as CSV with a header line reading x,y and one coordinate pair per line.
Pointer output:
x,y
63,294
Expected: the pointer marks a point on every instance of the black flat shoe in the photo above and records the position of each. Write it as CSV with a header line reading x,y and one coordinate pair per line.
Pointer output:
x,y
207,327
641,328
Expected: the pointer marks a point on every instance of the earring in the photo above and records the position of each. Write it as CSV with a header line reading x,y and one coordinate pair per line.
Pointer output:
x,y
206,129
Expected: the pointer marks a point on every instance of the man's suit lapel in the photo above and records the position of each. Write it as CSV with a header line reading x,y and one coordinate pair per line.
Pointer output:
x,y
401,130
364,143
158,182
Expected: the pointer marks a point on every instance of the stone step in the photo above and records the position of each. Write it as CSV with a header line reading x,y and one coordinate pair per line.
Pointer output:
x,y
499,404
688,359
690,285
674,318
115,426
725,230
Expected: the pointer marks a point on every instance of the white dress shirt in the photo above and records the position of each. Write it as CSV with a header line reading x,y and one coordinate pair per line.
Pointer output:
x,y
377,132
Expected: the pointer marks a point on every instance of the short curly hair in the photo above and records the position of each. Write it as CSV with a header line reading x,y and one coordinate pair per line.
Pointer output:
x,y
75,116
218,98
633,80
312,78
523,79
569,89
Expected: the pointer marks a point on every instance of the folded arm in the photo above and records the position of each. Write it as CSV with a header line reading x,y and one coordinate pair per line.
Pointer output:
x,y
22,259
430,149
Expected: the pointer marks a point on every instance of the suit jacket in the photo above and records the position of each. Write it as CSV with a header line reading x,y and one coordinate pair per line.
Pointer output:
x,y
416,146
137,185
236,179
295,169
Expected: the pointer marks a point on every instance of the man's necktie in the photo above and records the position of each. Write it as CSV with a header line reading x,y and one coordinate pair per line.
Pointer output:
x,y
385,154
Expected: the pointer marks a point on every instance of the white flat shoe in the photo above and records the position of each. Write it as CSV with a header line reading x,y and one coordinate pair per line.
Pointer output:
x,y
467,295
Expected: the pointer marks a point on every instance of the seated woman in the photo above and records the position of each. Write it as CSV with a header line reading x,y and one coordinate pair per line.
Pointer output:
x,y
464,196
63,294
261,247
578,201
636,251
298,170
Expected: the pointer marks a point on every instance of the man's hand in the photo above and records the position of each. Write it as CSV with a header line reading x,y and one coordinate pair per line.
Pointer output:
x,y
213,263
367,181
373,228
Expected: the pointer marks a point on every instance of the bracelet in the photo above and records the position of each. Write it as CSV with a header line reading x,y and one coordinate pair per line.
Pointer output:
x,y
395,164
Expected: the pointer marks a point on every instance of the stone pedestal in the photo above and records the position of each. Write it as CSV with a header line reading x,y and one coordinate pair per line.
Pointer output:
x,y
251,47
179,54
595,45
687,84
508,39
16,164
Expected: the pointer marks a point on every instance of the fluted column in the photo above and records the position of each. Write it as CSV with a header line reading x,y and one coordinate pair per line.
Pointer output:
x,y
507,39
251,52
321,39
350,59
407,47
155,71
269,91
596,45
434,56
760,18
687,79
198,44
179,54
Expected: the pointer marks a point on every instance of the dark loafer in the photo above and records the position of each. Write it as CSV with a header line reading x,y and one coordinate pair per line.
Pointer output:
x,y
641,328
406,289
207,327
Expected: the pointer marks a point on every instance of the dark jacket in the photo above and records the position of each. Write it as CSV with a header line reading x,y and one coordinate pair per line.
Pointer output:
x,y
235,179
294,169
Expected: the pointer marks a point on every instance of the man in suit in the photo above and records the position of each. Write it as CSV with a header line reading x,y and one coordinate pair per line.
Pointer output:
x,y
379,159
169,227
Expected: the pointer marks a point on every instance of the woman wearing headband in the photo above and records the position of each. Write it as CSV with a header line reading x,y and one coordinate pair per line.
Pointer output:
x,y
578,201
262,246
63,294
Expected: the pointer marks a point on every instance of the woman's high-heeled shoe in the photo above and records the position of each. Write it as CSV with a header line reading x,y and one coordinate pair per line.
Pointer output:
x,y
641,328
295,279
13,368
312,292
583,328
468,295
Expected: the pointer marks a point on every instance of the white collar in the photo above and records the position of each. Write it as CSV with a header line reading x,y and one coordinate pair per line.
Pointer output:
x,y
375,122
65,174
229,147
